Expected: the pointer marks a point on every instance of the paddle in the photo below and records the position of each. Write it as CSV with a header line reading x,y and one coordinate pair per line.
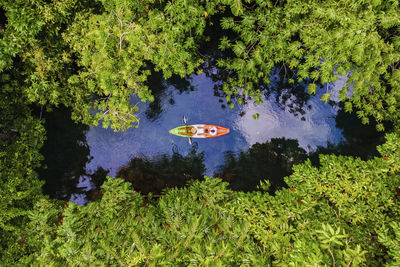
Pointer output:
x,y
185,122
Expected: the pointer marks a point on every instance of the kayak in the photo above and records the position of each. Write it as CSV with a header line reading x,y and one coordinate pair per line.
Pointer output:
x,y
199,131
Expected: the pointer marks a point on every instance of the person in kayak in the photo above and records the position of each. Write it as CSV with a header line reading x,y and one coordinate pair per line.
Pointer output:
x,y
213,130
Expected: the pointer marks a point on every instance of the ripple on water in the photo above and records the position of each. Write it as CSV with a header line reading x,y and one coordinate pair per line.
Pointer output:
x,y
113,150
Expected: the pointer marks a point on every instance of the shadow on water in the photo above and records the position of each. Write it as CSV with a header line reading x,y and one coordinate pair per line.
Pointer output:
x,y
159,86
267,161
65,154
166,171
155,175
97,179
360,140
289,95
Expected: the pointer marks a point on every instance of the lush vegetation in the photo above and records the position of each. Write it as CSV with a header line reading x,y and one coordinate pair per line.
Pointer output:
x,y
346,212
92,55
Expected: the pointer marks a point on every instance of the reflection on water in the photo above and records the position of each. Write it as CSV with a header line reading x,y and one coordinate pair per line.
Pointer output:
x,y
154,175
359,140
267,161
113,150
162,96
66,154
151,158
165,171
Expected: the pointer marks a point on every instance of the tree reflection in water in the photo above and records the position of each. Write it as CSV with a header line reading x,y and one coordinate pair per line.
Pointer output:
x,y
163,172
267,161
158,86
272,160
66,154
289,95
360,140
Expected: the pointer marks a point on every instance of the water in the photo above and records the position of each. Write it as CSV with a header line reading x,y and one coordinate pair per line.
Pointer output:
x,y
112,150
103,151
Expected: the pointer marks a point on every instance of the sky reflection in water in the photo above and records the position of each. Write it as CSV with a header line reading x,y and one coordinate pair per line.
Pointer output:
x,y
112,150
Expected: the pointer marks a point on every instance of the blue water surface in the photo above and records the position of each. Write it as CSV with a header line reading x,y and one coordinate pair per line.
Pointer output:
x,y
111,150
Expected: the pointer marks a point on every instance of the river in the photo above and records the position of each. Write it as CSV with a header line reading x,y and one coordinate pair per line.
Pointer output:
x,y
85,149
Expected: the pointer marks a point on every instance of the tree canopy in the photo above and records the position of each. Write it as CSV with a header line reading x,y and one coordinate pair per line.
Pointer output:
x,y
345,212
92,56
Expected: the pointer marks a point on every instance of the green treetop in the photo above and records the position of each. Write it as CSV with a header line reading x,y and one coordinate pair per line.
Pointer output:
x,y
345,212
94,55
320,40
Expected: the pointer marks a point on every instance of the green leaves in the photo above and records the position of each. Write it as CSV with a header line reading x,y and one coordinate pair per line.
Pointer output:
x,y
327,216
325,97
239,49
339,37
224,43
187,225
236,7
227,23
21,137
312,88
390,238
329,236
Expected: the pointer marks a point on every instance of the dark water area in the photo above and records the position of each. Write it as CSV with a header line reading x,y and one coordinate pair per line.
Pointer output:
x,y
66,154
291,127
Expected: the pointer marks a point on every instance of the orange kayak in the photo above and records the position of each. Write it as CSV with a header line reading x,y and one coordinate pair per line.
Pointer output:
x,y
199,131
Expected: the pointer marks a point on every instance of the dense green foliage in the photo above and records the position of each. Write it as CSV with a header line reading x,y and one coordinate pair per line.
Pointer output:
x,y
92,56
320,39
21,136
332,213
344,213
